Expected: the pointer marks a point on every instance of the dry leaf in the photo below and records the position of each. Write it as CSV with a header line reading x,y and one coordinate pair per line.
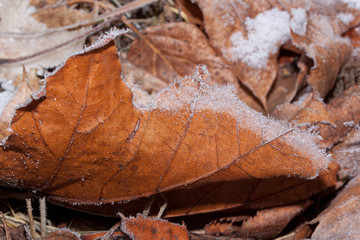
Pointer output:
x,y
152,228
267,223
60,15
327,48
292,72
61,234
173,50
85,141
16,19
354,35
328,120
341,219
347,155
191,10
349,74
345,108
256,30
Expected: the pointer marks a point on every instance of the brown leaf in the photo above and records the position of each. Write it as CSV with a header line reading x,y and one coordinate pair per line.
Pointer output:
x,y
61,234
152,228
354,35
291,76
246,194
340,220
267,223
17,233
346,154
256,30
175,50
60,15
191,10
328,120
85,142
328,50
345,108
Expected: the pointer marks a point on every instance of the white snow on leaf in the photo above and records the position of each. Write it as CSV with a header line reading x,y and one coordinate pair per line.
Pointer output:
x,y
265,33
353,3
345,18
298,21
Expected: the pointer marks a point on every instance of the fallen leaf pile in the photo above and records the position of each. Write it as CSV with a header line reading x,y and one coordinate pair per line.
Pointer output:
x,y
87,138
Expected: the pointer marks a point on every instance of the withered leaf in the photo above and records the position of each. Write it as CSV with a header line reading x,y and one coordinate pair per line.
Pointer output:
x,y
152,228
173,50
347,155
340,220
86,142
256,30
267,224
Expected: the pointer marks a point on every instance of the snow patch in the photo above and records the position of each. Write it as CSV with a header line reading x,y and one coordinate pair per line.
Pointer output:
x,y
299,21
352,3
265,33
345,18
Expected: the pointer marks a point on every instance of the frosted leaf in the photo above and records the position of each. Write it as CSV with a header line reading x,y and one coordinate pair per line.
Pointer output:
x,y
195,94
6,95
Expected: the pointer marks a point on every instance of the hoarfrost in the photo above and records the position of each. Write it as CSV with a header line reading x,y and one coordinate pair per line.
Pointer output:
x,y
193,93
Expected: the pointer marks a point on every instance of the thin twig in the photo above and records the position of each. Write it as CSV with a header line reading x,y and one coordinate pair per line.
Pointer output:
x,y
42,217
7,233
111,231
163,206
116,12
148,206
31,218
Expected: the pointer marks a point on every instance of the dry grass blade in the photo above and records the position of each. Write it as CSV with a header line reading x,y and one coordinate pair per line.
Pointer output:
x,y
5,226
31,218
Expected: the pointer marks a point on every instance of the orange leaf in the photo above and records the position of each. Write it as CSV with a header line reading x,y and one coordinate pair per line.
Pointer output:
x,y
86,142
152,228
267,223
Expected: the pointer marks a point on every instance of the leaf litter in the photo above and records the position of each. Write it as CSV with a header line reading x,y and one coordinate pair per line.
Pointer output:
x,y
193,100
